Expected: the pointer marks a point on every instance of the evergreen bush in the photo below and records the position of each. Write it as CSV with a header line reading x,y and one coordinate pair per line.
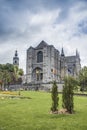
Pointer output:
x,y
55,99
67,95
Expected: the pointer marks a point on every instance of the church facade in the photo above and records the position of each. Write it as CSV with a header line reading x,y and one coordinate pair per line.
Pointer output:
x,y
45,63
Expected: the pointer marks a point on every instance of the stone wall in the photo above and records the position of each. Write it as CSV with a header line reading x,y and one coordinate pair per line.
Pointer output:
x,y
43,86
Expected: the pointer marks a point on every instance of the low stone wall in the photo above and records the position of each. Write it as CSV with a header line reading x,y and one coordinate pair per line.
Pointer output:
x,y
15,87
43,86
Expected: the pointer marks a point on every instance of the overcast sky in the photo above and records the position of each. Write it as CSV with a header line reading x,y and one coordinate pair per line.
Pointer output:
x,y
25,23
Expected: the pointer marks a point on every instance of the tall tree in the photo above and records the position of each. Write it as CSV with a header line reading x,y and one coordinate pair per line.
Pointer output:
x,y
17,74
1,79
6,79
9,74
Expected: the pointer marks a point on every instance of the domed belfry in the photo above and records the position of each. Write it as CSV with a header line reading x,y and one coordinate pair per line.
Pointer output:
x,y
16,59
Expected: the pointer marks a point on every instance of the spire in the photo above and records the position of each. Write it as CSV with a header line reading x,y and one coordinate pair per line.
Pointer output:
x,y
62,52
16,53
77,54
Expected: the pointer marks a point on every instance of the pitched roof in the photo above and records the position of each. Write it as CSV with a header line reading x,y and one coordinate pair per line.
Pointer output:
x,y
41,45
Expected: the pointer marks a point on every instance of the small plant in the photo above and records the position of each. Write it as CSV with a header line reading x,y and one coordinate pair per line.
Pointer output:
x,y
55,98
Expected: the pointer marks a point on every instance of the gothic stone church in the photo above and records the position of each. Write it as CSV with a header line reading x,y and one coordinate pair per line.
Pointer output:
x,y
45,63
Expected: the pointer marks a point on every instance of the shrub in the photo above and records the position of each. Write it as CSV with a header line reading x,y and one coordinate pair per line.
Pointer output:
x,y
55,98
67,96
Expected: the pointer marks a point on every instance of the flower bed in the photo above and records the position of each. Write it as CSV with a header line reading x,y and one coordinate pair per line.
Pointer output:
x,y
9,93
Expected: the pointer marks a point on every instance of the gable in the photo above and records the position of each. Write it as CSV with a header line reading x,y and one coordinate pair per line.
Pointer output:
x,y
42,45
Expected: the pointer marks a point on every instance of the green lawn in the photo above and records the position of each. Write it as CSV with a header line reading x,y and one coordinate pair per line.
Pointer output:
x,y
34,114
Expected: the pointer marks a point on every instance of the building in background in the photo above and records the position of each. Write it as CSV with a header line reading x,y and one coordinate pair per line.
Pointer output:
x,y
45,63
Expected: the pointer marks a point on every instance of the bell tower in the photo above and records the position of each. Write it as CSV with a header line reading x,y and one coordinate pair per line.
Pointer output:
x,y
16,59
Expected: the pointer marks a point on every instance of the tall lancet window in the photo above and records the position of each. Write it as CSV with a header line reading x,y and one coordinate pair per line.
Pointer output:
x,y
40,56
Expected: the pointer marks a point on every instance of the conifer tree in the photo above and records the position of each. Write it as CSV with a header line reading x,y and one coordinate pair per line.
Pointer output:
x,y
67,96
55,98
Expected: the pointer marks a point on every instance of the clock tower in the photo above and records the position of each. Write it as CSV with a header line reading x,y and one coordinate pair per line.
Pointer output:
x,y
16,59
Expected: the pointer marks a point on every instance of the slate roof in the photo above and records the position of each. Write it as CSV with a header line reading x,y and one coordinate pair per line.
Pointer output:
x,y
70,58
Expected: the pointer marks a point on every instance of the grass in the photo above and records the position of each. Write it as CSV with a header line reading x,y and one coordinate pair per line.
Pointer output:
x,y
34,113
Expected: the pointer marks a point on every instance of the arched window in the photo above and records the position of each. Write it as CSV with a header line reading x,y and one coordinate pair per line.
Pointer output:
x,y
40,56
15,61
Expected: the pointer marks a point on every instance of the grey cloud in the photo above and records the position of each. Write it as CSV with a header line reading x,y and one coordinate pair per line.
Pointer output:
x,y
37,5
7,33
82,26
10,11
10,33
